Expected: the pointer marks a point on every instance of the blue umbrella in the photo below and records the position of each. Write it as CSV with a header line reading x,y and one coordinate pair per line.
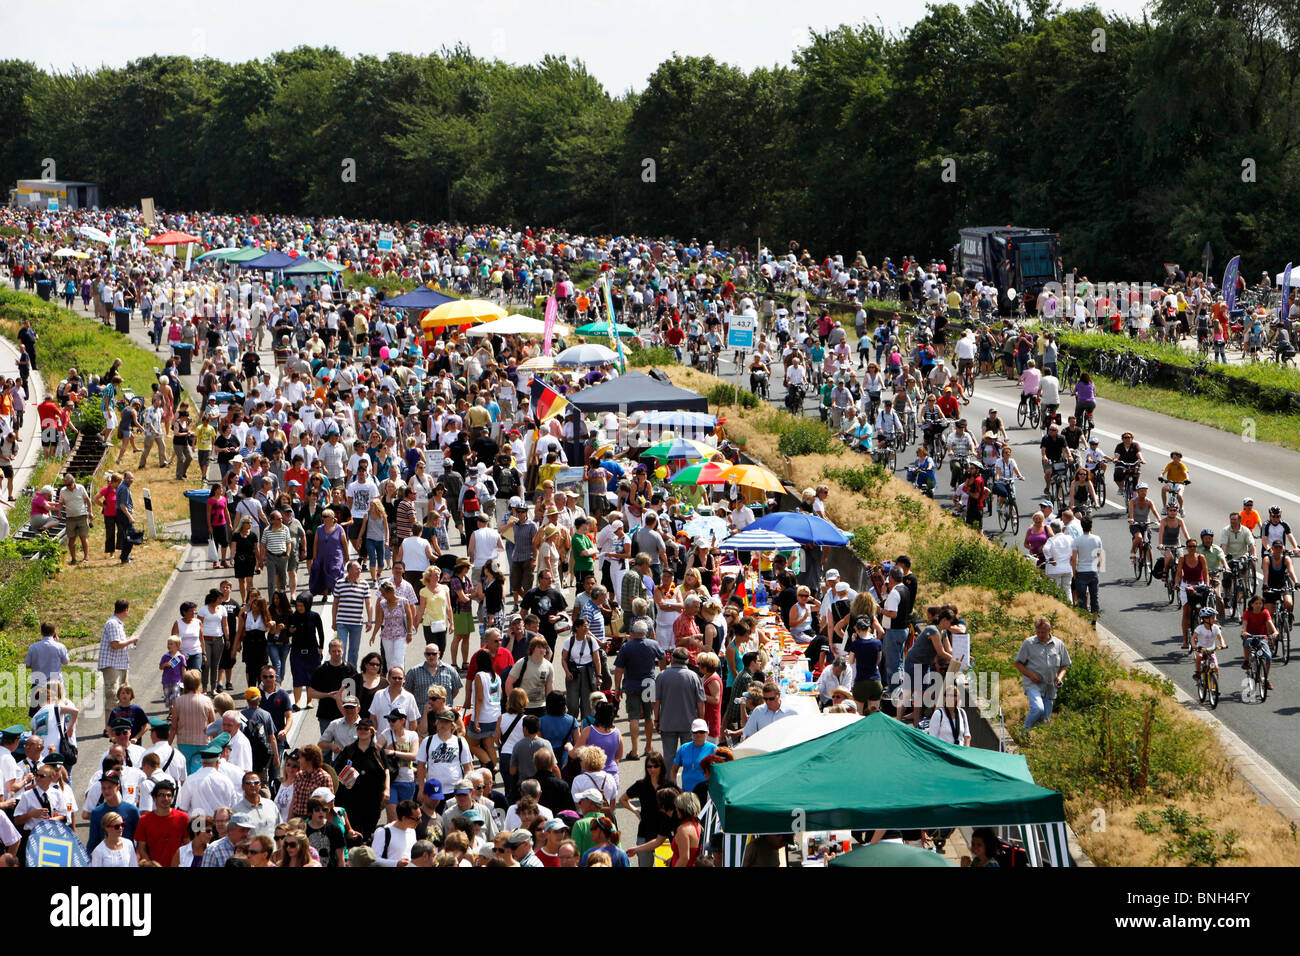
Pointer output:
x,y
422,298
802,527
759,539
272,261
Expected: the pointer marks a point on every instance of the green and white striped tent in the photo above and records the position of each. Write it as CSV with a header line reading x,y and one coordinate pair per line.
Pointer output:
x,y
878,773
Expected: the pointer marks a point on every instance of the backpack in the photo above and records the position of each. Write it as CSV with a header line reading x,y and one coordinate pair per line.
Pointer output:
x,y
258,744
470,503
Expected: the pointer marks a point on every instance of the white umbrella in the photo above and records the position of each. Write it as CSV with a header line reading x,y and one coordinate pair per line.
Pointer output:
x,y
538,363
71,254
587,354
90,232
795,729
759,539
516,325
706,526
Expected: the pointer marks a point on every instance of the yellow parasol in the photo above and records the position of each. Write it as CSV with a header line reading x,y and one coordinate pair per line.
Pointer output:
x,y
752,476
461,312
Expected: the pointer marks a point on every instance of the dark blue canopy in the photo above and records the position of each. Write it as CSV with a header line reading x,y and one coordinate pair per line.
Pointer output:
x,y
421,298
272,260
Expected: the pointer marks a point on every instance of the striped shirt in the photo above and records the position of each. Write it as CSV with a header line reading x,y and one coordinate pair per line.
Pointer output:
x,y
108,656
591,614
277,542
405,518
352,599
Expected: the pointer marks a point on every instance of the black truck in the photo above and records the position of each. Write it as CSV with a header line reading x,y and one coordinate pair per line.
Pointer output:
x,y
1012,258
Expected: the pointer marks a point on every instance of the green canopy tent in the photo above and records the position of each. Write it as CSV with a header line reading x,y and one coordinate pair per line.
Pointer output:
x,y
313,267
878,773
890,854
246,254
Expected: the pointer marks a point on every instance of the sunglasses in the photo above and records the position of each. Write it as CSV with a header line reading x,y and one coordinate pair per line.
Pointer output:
x,y
256,852
292,845
771,698
114,826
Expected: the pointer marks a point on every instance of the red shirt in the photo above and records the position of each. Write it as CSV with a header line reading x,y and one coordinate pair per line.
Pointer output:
x,y
1253,622
503,662
163,836
949,406
675,335
299,475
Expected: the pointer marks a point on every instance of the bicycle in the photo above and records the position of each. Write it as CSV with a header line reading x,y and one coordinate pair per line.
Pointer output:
x,y
1143,563
1207,681
909,425
1028,410
1009,512
885,453
1058,486
1099,484
1126,479
1172,491
1171,556
1284,624
1256,684
1234,587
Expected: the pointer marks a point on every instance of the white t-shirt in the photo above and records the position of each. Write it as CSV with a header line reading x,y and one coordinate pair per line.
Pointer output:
x,y
211,620
123,856
1050,390
361,493
399,842
409,743
1207,638
444,760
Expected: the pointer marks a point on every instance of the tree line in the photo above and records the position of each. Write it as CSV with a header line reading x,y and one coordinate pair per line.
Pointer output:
x,y
1138,141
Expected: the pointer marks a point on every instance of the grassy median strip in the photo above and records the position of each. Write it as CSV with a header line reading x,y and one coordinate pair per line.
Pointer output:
x,y
1145,782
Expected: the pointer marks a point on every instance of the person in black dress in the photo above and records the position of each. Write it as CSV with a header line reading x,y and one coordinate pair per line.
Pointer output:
x,y
365,799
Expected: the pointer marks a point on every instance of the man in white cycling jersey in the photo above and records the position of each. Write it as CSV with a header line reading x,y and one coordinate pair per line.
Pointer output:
x,y
1049,393
1275,529
888,426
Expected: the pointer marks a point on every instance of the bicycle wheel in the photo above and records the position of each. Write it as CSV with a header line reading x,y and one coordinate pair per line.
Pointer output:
x,y
1170,590
1261,683
1148,564
1022,410
1203,686
1212,689
1284,639
1034,415
1101,491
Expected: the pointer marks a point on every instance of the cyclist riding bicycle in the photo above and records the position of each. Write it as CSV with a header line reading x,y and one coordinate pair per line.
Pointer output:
x,y
1005,474
1257,624
948,404
1085,396
1192,574
1141,514
1275,529
994,424
1052,447
1215,560
1081,491
1094,459
1208,640
1250,518
888,426
921,471
1049,395
1174,475
1236,540
1279,578
961,444
1128,459
1170,532
1030,379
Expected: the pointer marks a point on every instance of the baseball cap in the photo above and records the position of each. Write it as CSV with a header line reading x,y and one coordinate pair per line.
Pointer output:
x,y
556,824
433,789
351,701
519,837
833,575
447,715
699,726
594,795
463,786
516,502
473,815
252,694
325,793
244,820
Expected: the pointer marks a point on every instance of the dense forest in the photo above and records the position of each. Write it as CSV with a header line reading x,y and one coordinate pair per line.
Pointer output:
x,y
1138,141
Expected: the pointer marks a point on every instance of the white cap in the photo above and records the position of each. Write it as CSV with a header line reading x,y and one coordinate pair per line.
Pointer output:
x,y
516,502
833,575
699,726
325,793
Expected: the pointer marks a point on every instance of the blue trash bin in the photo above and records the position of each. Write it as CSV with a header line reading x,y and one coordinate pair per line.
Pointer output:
x,y
198,515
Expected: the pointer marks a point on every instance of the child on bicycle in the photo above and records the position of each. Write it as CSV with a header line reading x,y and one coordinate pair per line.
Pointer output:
x,y
1174,473
1257,621
1208,639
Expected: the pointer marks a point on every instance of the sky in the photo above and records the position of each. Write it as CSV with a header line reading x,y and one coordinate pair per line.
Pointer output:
x,y
621,43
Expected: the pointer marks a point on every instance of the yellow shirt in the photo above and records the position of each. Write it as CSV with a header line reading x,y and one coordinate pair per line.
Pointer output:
x,y
1175,471
435,606
203,436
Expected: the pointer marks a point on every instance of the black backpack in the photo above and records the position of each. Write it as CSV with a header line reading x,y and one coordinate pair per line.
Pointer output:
x,y
259,744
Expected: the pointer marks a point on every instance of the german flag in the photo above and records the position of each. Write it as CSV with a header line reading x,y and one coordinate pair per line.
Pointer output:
x,y
547,402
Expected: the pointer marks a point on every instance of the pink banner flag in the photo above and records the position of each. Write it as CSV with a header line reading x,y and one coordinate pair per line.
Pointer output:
x,y
552,312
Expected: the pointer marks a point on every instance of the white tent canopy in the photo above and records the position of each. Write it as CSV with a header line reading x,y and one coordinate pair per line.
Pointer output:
x,y
789,731
516,325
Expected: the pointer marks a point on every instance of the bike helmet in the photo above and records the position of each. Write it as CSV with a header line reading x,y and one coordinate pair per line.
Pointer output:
x,y
1207,612
1275,510
1093,441
1142,484
1205,531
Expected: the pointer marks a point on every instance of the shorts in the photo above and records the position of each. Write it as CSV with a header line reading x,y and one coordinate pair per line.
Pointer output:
x,y
483,733
463,621
400,790
1214,656
964,364
78,527
375,551
521,575
868,690
636,707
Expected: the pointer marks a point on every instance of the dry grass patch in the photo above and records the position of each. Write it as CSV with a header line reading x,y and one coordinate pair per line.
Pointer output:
x,y
80,599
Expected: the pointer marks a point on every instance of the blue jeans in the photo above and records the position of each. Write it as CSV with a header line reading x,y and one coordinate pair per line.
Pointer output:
x,y
399,791
350,635
1085,590
1040,707
278,654
895,638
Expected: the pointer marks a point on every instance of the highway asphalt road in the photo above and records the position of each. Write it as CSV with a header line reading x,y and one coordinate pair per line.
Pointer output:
x,y
1223,468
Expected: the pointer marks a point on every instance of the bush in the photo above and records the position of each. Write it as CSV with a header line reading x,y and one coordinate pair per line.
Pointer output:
x,y
725,394
956,559
89,418
864,480
1191,841
652,357
1087,682
807,437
